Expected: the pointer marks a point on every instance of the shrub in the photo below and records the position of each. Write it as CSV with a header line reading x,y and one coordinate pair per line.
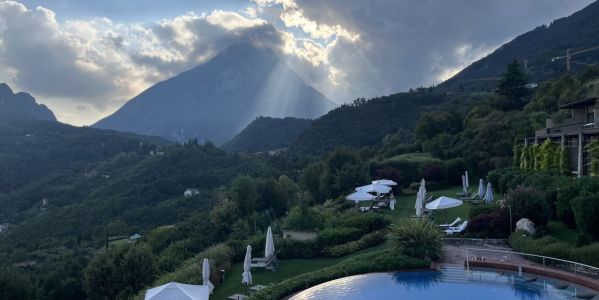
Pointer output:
x,y
482,209
288,248
417,238
365,222
550,246
339,235
303,218
366,241
379,261
587,255
586,210
190,271
529,203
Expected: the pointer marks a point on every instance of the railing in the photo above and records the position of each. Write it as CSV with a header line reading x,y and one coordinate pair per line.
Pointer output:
x,y
517,259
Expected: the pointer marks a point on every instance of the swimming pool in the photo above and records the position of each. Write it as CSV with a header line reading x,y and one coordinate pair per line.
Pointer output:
x,y
449,283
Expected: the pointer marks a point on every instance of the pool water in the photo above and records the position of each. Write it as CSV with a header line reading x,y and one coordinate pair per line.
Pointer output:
x,y
448,284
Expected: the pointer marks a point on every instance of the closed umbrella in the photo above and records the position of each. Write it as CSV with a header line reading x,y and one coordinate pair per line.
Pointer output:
x,y
246,277
269,248
360,196
206,275
420,198
443,203
464,187
467,181
386,182
419,205
481,188
489,194
374,188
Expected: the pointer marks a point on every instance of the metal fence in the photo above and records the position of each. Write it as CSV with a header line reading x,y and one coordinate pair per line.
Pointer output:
x,y
531,260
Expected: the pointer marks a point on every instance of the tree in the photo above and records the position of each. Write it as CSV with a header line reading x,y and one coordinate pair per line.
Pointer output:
x,y
120,272
586,210
244,192
527,202
15,285
512,86
418,238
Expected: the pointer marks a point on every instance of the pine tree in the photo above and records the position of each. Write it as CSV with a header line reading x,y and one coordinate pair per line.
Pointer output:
x,y
512,86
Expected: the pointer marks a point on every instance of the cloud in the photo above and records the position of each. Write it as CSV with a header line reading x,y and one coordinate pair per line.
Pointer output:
x,y
85,68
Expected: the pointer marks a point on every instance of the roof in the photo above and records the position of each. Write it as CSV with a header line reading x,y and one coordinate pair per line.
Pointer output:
x,y
579,103
178,291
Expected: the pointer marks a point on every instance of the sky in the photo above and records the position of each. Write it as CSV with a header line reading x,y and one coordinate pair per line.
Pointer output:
x,y
85,58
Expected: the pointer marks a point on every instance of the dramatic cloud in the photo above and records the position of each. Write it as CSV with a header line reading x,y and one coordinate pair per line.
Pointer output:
x,y
86,67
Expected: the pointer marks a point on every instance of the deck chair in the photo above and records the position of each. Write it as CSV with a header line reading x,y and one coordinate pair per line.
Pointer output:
x,y
458,229
452,224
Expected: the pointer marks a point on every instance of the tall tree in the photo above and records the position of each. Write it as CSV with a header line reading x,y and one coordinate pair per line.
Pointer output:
x,y
512,86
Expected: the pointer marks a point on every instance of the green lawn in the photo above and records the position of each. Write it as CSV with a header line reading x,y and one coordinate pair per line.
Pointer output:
x,y
405,206
291,267
287,268
559,231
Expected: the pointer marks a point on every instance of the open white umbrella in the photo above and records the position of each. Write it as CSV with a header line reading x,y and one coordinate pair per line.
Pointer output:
x,y
481,188
269,248
206,275
386,182
443,203
360,196
374,188
246,277
489,194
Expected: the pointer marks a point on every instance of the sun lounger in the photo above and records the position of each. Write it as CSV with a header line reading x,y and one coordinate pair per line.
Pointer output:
x,y
269,263
458,229
452,224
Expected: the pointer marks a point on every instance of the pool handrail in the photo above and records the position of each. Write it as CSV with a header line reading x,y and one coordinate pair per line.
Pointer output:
x,y
575,264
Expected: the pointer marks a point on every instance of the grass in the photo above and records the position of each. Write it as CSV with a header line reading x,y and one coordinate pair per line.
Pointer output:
x,y
287,268
405,207
292,267
559,231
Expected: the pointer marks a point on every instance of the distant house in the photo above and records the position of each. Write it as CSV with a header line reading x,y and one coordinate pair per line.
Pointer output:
x,y
44,205
573,133
135,237
156,153
191,192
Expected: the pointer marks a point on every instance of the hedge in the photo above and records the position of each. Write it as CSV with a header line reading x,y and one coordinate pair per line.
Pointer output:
x,y
366,241
552,247
379,261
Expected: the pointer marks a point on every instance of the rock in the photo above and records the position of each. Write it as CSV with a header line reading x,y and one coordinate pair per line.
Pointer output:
x,y
526,225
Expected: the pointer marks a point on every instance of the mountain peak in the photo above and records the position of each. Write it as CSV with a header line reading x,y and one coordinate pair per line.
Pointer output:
x,y
21,106
217,99
5,90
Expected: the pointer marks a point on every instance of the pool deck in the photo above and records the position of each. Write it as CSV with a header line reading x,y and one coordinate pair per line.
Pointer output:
x,y
456,255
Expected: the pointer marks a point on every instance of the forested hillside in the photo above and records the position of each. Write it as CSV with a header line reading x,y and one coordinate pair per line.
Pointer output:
x,y
537,47
266,133
367,122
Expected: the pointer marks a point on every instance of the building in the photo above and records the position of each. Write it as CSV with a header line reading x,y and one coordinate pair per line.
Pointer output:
x,y
191,192
573,133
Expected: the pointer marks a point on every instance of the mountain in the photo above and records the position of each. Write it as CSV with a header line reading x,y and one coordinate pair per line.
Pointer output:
x,y
32,150
215,100
266,133
537,47
366,122
21,106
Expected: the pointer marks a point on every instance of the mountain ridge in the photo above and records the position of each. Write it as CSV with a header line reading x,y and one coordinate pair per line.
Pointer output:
x,y
21,106
217,99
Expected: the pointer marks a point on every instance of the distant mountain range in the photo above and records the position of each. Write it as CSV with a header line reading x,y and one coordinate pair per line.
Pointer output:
x,y
215,100
535,50
21,106
266,133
